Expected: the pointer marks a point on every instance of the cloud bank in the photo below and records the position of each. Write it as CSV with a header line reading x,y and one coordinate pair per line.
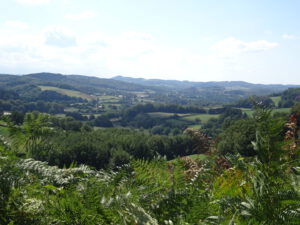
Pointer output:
x,y
233,46
288,36
139,54
59,37
16,24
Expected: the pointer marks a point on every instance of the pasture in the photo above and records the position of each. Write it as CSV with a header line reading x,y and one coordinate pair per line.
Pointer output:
x,y
250,112
67,92
276,100
201,117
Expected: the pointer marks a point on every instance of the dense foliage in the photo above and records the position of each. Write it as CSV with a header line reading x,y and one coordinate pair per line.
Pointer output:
x,y
249,102
65,141
228,115
261,189
290,97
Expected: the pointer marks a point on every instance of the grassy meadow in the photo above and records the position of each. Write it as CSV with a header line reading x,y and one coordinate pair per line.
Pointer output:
x,y
67,92
203,118
276,100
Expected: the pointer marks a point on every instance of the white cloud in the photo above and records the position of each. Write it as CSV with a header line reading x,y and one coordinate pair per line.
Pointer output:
x,y
288,36
16,24
58,49
33,2
81,16
59,36
232,46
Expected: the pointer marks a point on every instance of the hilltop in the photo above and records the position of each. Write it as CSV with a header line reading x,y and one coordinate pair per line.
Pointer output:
x,y
138,89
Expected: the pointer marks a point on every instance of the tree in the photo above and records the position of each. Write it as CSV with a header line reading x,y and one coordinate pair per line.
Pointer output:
x,y
17,118
237,138
102,121
32,135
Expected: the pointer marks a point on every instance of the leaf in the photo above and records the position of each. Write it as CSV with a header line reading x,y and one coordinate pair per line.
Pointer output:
x,y
213,218
50,187
246,205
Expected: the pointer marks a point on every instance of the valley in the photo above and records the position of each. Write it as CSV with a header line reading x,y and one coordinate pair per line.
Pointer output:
x,y
131,151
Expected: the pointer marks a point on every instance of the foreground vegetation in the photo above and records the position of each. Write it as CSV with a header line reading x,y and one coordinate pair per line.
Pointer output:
x,y
221,188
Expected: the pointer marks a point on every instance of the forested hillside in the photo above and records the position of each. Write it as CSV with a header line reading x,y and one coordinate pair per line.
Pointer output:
x,y
230,88
130,91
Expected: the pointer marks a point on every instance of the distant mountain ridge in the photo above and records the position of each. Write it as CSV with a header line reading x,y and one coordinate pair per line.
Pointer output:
x,y
139,89
86,84
188,84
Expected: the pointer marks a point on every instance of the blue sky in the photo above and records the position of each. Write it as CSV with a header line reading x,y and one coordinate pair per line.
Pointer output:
x,y
254,41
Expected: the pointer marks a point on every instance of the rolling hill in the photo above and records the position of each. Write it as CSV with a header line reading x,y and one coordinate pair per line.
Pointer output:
x,y
137,89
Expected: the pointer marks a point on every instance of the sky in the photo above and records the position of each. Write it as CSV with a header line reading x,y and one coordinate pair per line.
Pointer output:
x,y
256,41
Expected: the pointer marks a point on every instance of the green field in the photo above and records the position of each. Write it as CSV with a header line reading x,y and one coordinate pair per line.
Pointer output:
x,y
67,92
198,156
185,116
250,112
71,109
60,115
276,100
166,115
282,110
195,126
189,117
109,98
160,114
202,117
